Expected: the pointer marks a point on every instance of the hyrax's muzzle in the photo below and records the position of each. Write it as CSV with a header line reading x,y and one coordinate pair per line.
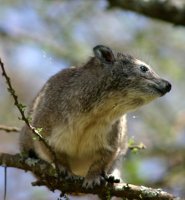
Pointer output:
x,y
163,86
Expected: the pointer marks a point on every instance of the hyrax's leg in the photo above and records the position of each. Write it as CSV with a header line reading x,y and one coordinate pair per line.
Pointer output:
x,y
64,165
45,154
99,167
26,141
115,171
32,147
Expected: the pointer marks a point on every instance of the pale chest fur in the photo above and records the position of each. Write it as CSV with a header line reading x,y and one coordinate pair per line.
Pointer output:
x,y
85,133
82,138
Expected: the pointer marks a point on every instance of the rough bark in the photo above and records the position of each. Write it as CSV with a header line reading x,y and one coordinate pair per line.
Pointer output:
x,y
48,177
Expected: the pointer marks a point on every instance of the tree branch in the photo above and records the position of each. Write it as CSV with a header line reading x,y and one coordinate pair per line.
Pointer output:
x,y
49,179
9,129
167,10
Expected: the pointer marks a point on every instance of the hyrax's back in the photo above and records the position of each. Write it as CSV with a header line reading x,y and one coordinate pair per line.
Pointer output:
x,y
82,112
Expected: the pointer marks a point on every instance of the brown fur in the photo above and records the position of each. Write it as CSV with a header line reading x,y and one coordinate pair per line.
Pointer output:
x,y
82,112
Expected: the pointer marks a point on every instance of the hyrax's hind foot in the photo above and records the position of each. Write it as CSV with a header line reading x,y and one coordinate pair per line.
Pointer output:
x,y
90,182
65,173
99,180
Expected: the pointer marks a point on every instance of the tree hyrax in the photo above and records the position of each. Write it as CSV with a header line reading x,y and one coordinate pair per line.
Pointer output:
x,y
81,111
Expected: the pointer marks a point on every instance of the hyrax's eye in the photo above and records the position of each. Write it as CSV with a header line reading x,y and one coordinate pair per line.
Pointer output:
x,y
143,68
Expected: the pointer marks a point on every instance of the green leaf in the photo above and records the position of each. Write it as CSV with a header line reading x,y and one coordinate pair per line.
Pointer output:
x,y
131,141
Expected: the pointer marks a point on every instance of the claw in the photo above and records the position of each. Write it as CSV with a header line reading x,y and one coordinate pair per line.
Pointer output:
x,y
111,179
64,171
92,182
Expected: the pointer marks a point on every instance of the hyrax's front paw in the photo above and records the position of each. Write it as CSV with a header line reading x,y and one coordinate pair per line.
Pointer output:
x,y
111,179
91,182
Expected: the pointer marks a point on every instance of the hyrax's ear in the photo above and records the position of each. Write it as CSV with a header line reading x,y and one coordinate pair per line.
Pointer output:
x,y
104,54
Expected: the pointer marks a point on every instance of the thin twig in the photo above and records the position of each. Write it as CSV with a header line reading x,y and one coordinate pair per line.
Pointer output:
x,y
9,129
24,118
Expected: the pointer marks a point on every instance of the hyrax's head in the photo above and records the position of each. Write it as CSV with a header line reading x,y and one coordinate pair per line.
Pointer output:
x,y
133,81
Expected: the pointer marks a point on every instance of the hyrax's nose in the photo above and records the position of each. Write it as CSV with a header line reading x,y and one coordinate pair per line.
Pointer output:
x,y
165,86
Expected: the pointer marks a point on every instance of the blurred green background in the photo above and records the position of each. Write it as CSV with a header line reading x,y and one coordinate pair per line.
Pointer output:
x,y
39,38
